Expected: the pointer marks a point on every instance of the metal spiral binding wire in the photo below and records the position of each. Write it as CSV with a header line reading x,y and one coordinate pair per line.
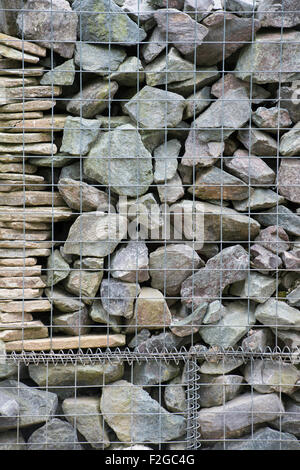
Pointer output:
x,y
192,400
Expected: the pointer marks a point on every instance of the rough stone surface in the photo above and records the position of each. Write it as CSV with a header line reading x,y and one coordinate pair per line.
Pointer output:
x,y
93,99
55,435
217,390
118,297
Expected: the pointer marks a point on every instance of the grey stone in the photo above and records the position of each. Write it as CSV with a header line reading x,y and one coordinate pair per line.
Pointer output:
x,y
50,22
255,287
238,31
63,74
31,406
278,13
223,117
278,314
54,435
171,265
249,168
183,32
100,315
128,171
175,397
53,161
62,300
290,338
57,268
258,142
215,312
197,102
12,440
273,238
290,420
260,199
149,423
81,196
288,179
166,160
84,414
282,216
261,60
291,259
151,311
200,154
84,282
290,142
288,98
263,439
118,297
215,183
98,58
79,134
258,340
220,422
139,338
264,259
154,46
191,323
171,190
208,283
271,119
231,327
198,9
221,366
293,297
202,76
112,25
95,234
153,372
257,93
216,390
93,98
155,108
271,376
241,7
168,68
111,122
72,324
139,10
130,263
129,73
162,342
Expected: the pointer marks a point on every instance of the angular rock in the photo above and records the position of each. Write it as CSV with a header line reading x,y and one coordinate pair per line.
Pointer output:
x,y
202,76
149,423
95,234
273,238
290,142
154,46
92,99
289,179
197,102
57,268
291,259
256,287
63,74
139,10
79,134
168,68
271,119
98,58
252,408
288,99
293,297
175,397
111,24
171,191
153,372
131,263
81,196
171,265
166,160
129,73
83,281
271,376
208,283
220,367
278,314
200,154
198,9
155,108
166,341
282,216
54,435
118,297
258,142
261,60
217,390
278,13
151,311
264,259
289,421
51,23
258,340
215,312
191,323
62,300
129,172
231,82
75,323
99,315
260,199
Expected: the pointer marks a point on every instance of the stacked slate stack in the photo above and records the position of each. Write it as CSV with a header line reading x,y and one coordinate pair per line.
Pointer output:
x,y
155,205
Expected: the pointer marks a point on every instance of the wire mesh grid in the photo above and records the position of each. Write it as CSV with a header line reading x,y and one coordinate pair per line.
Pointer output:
x,y
149,224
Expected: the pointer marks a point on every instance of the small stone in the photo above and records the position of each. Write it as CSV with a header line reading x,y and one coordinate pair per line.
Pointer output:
x,y
152,372
291,259
139,10
215,312
183,32
149,423
174,395
259,199
171,265
241,7
63,74
118,297
131,263
34,406
112,25
201,154
264,259
128,172
282,216
62,300
258,340
79,134
84,283
278,314
191,323
269,377
57,268
139,338
217,390
258,142
99,315
214,183
98,58
249,168
54,435
162,342
167,112
208,284
278,13
197,102
93,98
84,413
166,160
168,68
95,234
273,57
232,326
221,367
202,76
72,324
129,73
289,421
293,297
286,99
171,191
255,287
253,408
81,196
290,142
198,9
151,311
273,238
231,82
271,119
154,46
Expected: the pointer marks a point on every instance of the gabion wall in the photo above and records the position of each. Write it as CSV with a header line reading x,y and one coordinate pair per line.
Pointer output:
x,y
149,224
